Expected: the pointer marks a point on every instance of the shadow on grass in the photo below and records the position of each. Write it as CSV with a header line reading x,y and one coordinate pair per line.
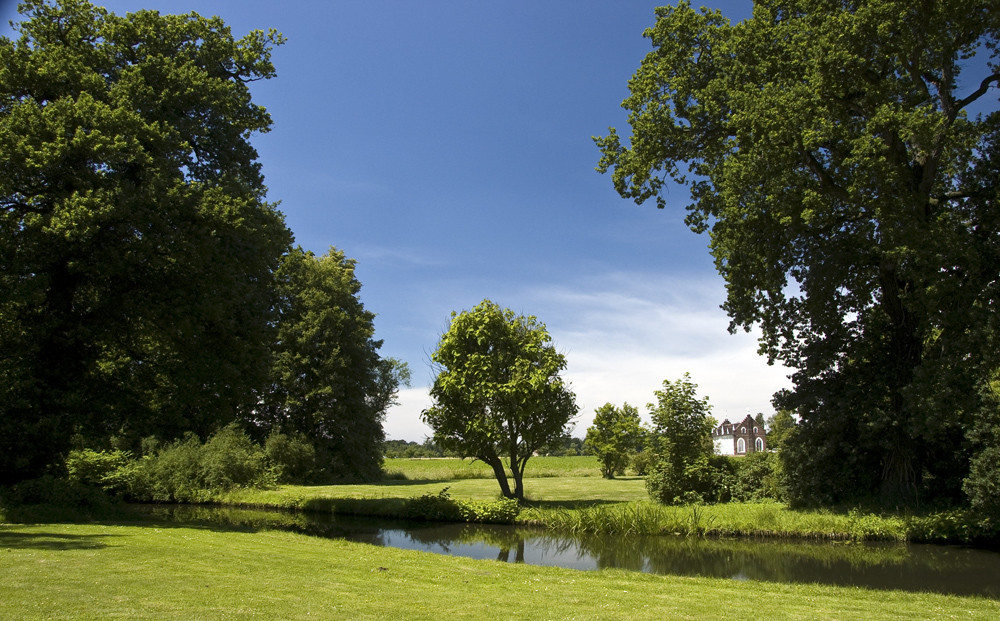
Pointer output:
x,y
51,541
408,482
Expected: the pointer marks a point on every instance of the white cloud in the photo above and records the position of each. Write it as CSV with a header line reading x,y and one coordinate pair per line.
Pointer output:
x,y
402,422
623,334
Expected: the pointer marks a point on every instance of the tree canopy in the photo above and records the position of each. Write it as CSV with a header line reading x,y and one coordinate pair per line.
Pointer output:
x,y
327,378
136,244
851,200
498,396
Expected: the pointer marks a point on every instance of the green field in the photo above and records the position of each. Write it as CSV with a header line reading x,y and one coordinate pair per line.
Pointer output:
x,y
101,571
450,468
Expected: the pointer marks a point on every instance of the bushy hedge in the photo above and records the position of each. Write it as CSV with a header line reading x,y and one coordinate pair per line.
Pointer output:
x,y
188,470
293,458
757,476
718,478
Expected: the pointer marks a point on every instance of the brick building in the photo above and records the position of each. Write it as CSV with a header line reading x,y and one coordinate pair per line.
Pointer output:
x,y
739,438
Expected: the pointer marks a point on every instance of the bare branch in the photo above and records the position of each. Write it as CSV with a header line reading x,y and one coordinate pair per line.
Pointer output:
x,y
979,92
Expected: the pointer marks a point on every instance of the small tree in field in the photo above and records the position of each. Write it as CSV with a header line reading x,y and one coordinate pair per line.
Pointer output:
x,y
682,441
614,437
498,395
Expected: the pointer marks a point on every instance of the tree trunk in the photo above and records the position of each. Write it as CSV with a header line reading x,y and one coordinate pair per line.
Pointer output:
x,y
501,476
900,472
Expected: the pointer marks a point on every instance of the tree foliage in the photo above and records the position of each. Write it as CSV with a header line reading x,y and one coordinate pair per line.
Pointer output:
x,y
779,427
498,396
328,381
851,199
136,245
681,437
615,437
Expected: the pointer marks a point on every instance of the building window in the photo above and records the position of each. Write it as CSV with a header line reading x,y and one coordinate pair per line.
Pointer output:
x,y
743,429
759,444
741,446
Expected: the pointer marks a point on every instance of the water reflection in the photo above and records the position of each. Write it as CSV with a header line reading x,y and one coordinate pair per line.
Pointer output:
x,y
942,569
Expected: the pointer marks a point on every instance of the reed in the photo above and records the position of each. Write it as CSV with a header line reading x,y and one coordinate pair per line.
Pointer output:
x,y
763,519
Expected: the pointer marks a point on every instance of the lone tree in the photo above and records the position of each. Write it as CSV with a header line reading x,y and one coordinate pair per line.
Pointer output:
x,y
136,244
614,437
498,396
835,153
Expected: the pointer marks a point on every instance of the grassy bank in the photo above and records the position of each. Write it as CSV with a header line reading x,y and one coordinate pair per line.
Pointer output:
x,y
95,571
579,500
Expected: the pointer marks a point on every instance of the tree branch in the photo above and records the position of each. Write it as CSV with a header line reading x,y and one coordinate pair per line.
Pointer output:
x,y
825,179
954,196
979,92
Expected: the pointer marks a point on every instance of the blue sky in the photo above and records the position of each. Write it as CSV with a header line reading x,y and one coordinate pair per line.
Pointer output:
x,y
447,147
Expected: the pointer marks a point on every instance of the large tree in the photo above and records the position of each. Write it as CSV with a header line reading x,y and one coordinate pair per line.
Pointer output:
x,y
328,380
498,396
136,244
851,199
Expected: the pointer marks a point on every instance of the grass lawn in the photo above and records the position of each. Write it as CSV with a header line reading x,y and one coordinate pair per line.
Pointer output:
x,y
450,468
97,571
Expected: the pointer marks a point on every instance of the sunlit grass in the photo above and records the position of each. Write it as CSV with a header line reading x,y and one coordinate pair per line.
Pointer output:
x,y
423,469
97,571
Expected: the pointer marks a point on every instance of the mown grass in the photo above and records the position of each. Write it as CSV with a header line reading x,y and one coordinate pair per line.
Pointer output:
x,y
101,571
423,469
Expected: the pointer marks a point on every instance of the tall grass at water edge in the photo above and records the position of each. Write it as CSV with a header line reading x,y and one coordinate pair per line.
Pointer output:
x,y
764,519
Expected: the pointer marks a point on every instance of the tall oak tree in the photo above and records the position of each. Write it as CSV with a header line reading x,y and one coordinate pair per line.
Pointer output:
x,y
136,243
842,155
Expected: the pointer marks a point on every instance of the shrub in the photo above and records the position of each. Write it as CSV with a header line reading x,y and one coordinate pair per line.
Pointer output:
x,y
108,470
642,462
230,459
758,476
49,498
705,479
292,457
189,471
982,486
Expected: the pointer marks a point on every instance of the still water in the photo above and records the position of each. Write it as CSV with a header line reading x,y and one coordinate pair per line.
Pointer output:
x,y
913,567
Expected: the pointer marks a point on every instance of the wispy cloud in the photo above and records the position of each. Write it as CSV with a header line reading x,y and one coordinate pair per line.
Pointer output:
x,y
368,254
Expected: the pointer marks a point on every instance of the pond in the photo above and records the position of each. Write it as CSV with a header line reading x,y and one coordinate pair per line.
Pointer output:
x,y
925,568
